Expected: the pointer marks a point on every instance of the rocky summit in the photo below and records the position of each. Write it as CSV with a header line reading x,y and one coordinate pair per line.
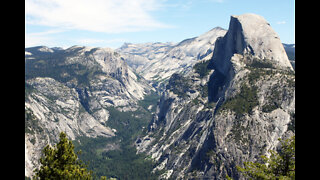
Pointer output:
x,y
207,123
226,97
250,34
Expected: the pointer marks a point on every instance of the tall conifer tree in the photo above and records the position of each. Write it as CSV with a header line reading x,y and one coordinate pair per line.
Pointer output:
x,y
61,162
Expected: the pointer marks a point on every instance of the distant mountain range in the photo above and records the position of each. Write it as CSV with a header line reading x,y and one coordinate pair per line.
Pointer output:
x,y
158,61
291,51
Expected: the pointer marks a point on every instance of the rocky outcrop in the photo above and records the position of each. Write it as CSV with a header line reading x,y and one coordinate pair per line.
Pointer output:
x,y
70,90
250,34
158,61
208,123
51,108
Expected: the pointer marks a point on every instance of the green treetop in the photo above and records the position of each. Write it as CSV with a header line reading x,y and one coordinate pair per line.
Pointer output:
x,y
280,165
61,162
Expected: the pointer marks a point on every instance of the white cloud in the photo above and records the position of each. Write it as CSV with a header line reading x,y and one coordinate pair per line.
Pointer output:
x,y
218,1
111,16
91,41
281,22
40,38
33,40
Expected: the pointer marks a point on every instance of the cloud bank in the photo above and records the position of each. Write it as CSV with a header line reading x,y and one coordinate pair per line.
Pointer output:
x,y
109,16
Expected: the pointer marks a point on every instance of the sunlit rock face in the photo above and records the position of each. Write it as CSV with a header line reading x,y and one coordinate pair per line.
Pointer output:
x,y
70,90
208,124
250,34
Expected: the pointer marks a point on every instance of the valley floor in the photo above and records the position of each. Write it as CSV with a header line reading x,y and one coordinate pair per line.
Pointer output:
x,y
116,156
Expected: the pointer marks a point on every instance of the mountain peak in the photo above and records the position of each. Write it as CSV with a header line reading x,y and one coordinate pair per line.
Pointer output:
x,y
261,40
248,17
250,34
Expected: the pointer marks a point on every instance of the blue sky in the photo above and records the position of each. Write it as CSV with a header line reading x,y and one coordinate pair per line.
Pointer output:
x,y
110,23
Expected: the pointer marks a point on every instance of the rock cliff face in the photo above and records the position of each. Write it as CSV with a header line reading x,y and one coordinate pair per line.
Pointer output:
x,y
70,90
158,61
138,56
230,109
250,34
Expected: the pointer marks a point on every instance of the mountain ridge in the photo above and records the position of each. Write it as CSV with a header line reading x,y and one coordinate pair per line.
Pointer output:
x,y
71,90
178,57
207,124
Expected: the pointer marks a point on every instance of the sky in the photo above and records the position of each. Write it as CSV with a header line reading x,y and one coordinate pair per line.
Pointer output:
x,y
110,23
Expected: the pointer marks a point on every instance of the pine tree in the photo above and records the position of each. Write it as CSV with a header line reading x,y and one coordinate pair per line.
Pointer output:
x,y
61,162
280,165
